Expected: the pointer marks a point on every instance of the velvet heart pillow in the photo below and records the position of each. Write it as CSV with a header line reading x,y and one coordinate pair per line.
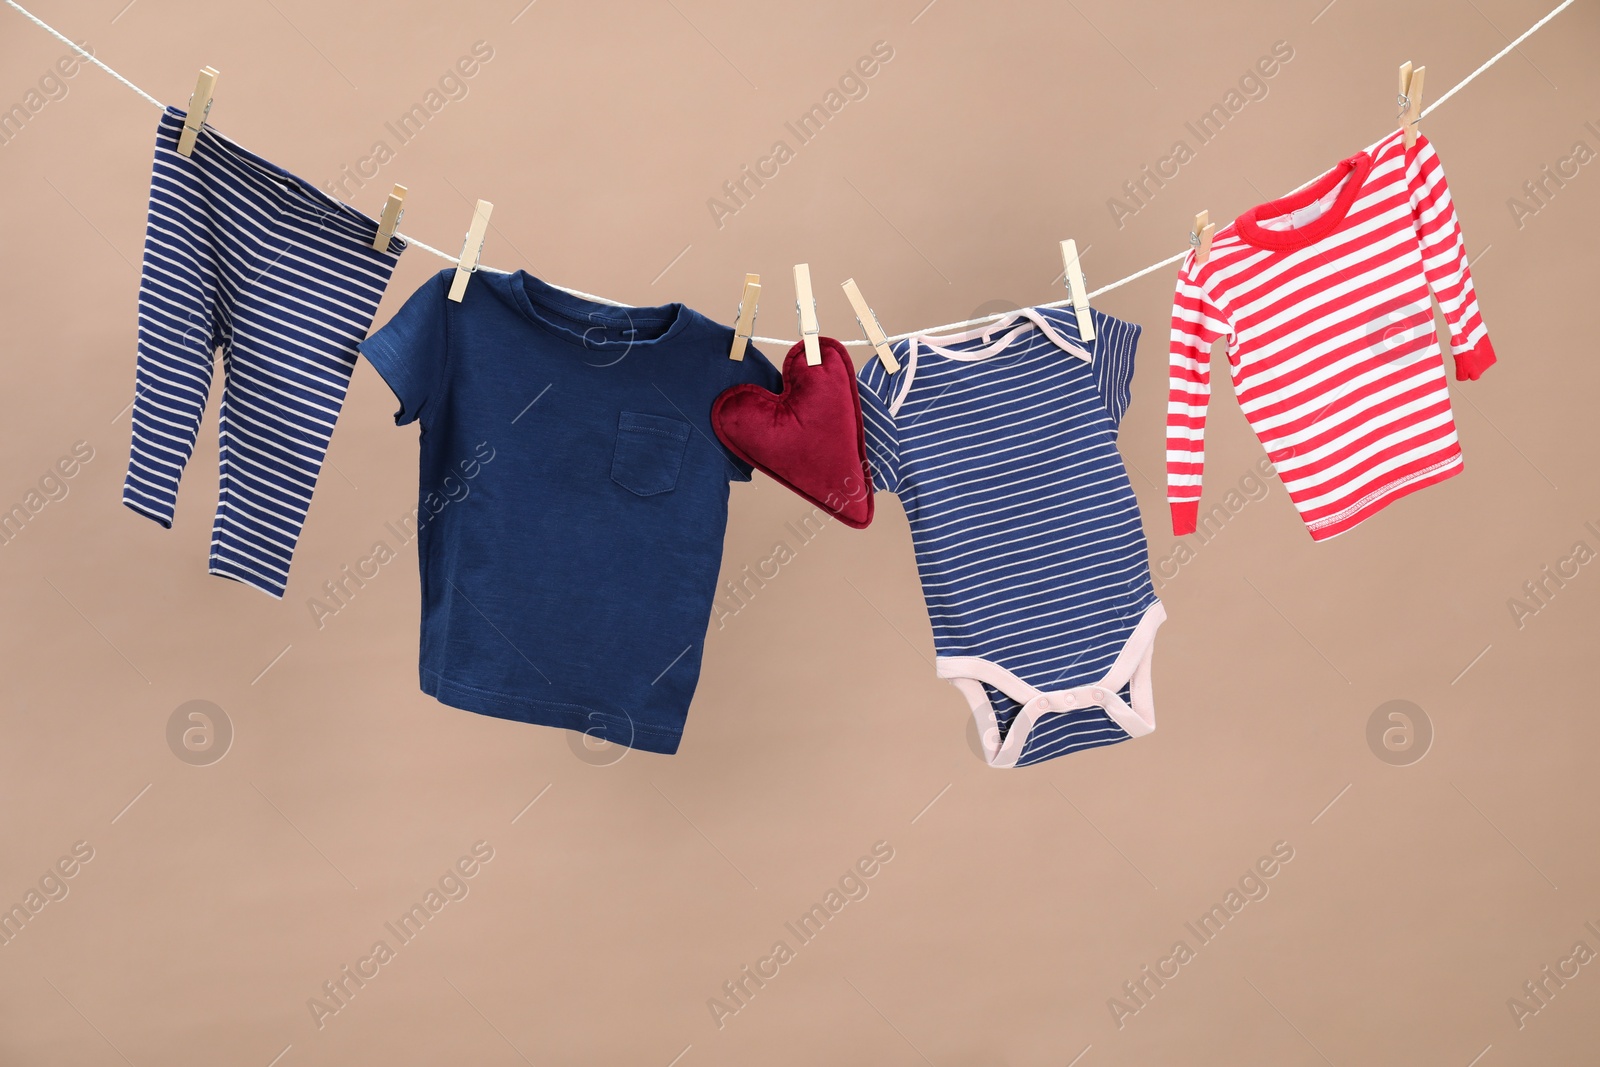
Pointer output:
x,y
810,436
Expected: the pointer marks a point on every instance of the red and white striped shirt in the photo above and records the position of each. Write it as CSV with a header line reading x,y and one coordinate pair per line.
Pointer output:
x,y
1323,296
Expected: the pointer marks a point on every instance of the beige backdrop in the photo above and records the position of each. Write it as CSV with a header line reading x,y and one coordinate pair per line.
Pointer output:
x,y
210,900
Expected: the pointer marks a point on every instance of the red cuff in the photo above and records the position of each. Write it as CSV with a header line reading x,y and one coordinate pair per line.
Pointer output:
x,y
1471,364
1185,514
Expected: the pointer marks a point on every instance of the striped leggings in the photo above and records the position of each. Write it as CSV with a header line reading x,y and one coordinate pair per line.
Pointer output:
x,y
243,256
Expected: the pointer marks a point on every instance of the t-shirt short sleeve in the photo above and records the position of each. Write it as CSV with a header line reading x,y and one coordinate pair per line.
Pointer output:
x,y
410,350
754,369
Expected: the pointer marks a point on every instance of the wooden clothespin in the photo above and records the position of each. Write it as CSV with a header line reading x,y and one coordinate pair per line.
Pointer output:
x,y
1410,100
746,324
869,325
1077,289
471,249
199,107
389,222
1200,236
806,305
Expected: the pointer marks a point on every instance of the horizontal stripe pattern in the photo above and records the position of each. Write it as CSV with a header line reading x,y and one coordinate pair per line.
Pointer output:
x,y
243,256
1332,349
1027,533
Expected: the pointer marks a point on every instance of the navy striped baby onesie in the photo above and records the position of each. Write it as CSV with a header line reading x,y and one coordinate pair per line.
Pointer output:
x,y
1002,446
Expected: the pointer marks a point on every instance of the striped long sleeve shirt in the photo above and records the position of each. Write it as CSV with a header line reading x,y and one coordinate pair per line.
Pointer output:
x,y
1323,296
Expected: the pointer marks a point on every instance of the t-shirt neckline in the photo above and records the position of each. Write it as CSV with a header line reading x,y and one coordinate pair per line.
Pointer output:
x,y
1249,225
546,307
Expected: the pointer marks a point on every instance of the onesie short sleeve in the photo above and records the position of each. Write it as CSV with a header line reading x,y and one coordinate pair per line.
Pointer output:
x,y
1113,350
883,447
1114,347
410,351
1029,542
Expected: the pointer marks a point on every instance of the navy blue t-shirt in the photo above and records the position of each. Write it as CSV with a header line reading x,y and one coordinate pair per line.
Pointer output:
x,y
573,499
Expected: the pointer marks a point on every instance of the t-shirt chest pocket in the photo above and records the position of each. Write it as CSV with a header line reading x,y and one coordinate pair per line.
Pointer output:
x,y
649,452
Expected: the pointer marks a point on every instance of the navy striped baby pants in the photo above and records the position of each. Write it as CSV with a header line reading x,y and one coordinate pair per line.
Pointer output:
x,y
243,256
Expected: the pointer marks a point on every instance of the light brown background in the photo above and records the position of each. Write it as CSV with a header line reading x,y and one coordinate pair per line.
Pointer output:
x,y
1017,903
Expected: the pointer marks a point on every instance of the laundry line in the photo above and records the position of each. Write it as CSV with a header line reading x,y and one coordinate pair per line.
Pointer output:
x,y
1119,283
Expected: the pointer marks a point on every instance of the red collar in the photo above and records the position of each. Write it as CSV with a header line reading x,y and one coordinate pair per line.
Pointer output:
x,y
1249,228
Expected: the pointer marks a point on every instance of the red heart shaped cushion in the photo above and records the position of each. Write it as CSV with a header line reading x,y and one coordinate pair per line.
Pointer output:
x,y
810,436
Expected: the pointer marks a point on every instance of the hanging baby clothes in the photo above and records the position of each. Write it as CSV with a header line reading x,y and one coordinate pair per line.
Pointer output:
x,y
1323,296
575,495
1003,451
242,255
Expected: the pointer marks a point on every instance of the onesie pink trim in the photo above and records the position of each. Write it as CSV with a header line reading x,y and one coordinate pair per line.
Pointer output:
x,y
969,673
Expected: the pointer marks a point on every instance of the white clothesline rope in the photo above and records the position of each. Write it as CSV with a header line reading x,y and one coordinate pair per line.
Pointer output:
x,y
70,43
1169,261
